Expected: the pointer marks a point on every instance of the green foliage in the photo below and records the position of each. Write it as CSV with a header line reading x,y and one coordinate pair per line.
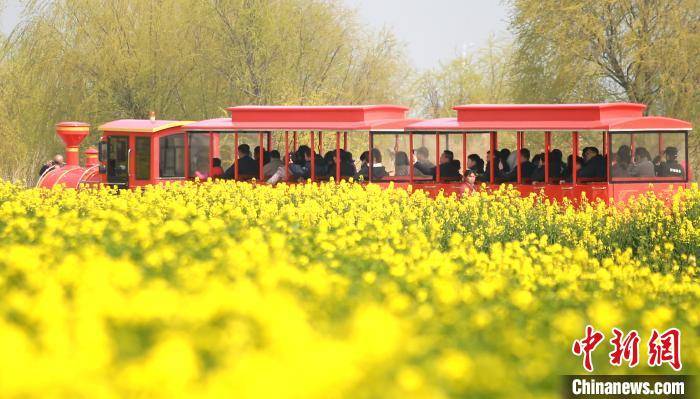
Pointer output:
x,y
99,60
468,78
610,50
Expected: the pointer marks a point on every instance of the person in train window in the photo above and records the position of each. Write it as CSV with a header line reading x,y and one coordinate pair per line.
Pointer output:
x,y
216,170
256,155
593,164
247,167
347,165
557,168
569,165
378,170
623,162
538,173
642,167
501,169
401,164
274,163
423,166
671,168
329,162
526,166
56,162
475,163
511,159
449,166
364,159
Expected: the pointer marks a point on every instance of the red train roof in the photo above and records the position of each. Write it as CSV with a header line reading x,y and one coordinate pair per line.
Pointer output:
x,y
335,118
140,125
540,117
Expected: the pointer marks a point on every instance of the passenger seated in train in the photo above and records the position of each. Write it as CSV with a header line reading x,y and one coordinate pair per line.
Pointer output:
x,y
475,163
671,167
623,162
56,162
569,166
256,155
301,166
557,168
273,164
511,159
500,160
347,164
216,169
538,172
449,167
423,166
642,167
329,162
364,159
526,166
378,170
593,164
401,164
247,167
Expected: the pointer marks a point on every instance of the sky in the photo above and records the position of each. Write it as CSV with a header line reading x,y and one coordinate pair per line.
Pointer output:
x,y
431,30
436,30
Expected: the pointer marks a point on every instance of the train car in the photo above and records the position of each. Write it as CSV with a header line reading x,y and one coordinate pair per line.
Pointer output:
x,y
626,153
628,139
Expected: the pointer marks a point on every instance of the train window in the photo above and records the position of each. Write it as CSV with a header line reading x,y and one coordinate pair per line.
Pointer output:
x,y
425,156
172,156
451,156
648,156
143,158
199,155
225,146
477,148
391,157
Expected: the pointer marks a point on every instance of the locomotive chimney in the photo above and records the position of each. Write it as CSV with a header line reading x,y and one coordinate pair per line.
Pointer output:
x,y
91,157
72,134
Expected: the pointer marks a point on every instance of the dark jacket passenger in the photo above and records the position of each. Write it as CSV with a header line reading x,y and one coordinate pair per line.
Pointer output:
x,y
449,170
247,167
594,168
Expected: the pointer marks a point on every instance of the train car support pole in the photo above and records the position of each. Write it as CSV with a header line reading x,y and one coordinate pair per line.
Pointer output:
x,y
518,156
313,157
464,153
437,155
574,145
492,157
370,158
261,160
410,161
235,156
286,155
337,157
547,148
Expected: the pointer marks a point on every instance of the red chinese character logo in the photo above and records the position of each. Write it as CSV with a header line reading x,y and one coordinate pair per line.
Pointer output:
x,y
587,345
626,348
665,348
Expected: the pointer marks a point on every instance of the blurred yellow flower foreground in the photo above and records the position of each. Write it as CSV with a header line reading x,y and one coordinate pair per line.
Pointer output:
x,y
333,291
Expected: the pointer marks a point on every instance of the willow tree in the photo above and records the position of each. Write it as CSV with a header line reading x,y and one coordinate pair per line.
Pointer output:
x,y
618,50
97,60
481,77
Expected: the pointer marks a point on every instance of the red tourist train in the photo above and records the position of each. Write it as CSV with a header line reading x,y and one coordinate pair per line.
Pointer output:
x,y
637,151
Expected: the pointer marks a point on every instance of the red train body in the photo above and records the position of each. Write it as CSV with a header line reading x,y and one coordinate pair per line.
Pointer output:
x,y
140,152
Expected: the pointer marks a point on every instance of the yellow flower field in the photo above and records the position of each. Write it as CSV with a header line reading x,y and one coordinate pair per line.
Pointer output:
x,y
330,291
